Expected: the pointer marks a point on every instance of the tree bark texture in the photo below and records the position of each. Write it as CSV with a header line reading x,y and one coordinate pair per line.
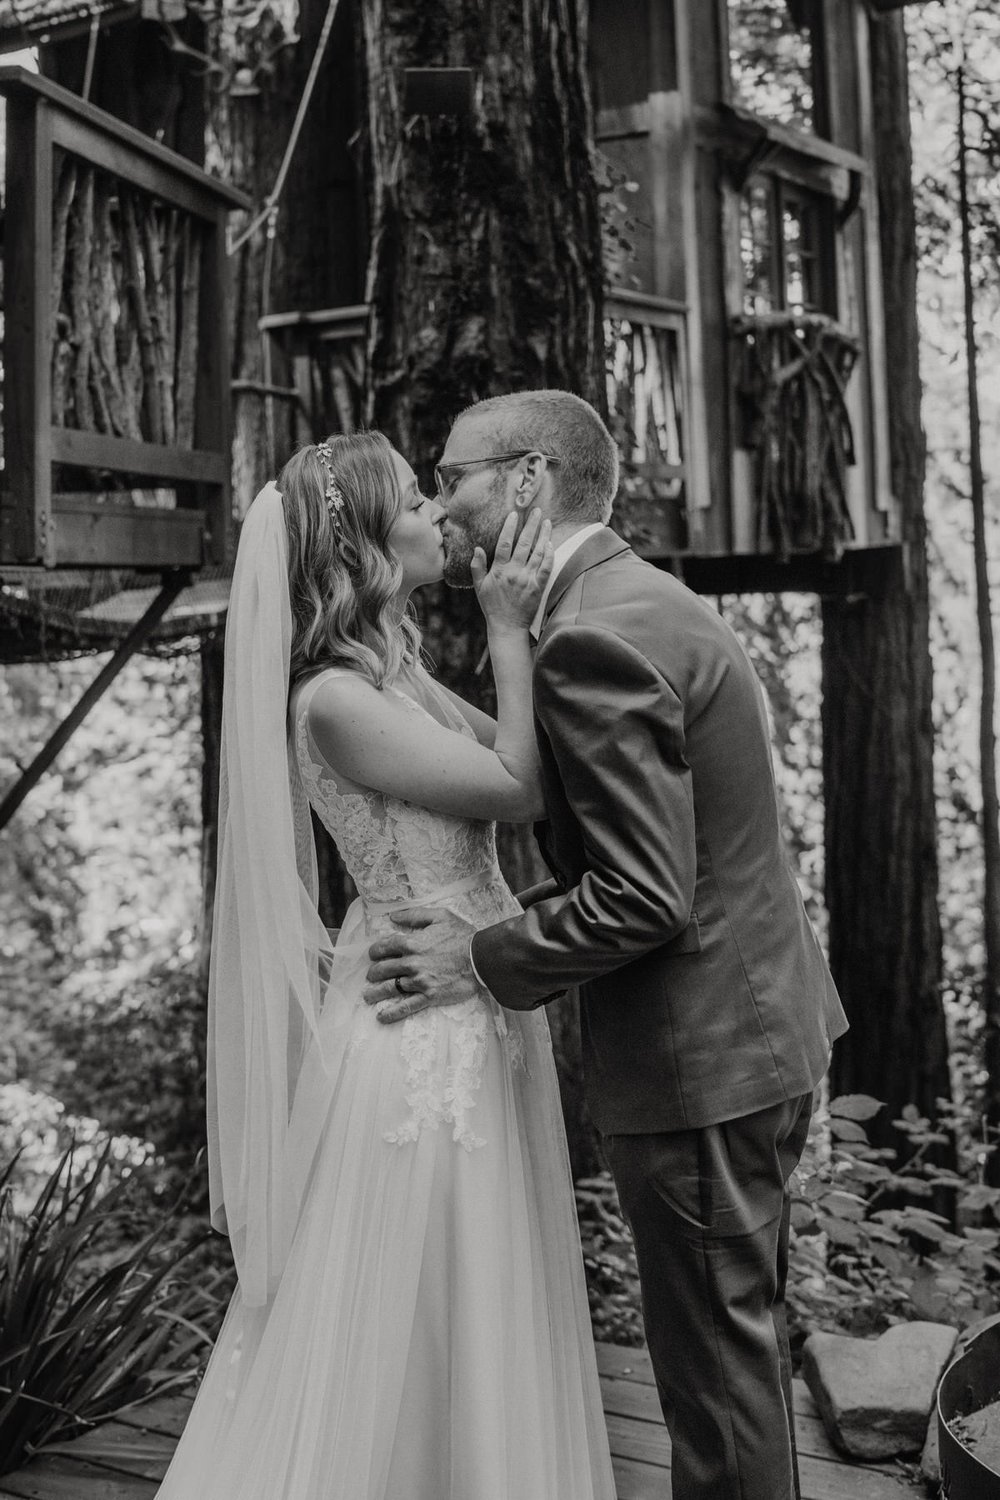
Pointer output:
x,y
881,856
987,652
484,276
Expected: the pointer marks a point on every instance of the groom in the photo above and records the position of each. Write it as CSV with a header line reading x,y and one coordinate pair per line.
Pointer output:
x,y
707,1010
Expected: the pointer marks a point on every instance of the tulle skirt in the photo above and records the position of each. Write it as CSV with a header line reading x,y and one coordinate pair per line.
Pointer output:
x,y
429,1338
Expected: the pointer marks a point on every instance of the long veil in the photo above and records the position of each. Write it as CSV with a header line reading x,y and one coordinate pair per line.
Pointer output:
x,y
271,956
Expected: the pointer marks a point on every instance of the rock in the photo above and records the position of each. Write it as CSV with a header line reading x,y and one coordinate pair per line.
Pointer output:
x,y
930,1459
876,1395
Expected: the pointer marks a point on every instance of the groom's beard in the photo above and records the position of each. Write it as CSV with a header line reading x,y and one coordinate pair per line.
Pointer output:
x,y
480,530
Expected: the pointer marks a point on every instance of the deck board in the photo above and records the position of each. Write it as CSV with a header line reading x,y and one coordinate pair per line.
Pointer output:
x,y
125,1459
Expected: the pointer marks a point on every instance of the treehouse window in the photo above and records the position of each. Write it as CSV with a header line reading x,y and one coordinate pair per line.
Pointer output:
x,y
646,403
645,377
786,239
775,68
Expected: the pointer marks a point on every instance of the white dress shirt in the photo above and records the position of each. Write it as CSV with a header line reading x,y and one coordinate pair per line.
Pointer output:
x,y
563,553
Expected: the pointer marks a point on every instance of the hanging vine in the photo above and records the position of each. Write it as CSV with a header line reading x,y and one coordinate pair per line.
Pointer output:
x,y
791,373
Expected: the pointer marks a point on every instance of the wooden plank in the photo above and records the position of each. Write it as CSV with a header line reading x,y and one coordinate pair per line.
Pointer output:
x,y
622,120
648,1442
128,536
98,450
123,161
167,1415
875,341
17,83
638,1438
120,1449
353,317
28,329
64,1479
698,495
846,1481
822,1478
620,1364
213,403
632,1398
638,1481
644,307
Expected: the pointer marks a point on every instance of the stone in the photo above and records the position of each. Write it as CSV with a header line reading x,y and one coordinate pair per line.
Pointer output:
x,y
930,1458
876,1396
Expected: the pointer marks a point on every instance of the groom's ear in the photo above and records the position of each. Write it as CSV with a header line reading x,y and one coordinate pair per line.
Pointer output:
x,y
529,483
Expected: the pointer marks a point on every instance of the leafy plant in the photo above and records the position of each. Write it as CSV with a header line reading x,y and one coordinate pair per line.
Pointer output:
x,y
867,1249
609,1261
85,1335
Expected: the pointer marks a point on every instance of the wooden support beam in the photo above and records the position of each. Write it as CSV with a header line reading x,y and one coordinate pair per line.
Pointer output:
x,y
28,328
136,638
99,450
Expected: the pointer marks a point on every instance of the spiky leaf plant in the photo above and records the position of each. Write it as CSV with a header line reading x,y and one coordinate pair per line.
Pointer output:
x,y
84,1334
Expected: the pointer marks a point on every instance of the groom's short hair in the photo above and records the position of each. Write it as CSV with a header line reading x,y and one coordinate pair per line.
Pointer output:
x,y
557,422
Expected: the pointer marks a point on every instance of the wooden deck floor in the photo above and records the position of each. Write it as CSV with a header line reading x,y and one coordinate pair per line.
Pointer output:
x,y
125,1460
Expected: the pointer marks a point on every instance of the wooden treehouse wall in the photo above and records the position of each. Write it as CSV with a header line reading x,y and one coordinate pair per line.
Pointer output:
x,y
784,446
116,389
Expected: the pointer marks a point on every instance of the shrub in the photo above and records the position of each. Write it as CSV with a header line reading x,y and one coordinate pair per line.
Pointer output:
x,y
87,1331
867,1250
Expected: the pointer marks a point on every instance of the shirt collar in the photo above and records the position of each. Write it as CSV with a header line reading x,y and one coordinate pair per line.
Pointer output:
x,y
563,553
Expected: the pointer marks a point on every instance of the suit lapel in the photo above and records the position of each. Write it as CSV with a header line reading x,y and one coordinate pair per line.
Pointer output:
x,y
596,549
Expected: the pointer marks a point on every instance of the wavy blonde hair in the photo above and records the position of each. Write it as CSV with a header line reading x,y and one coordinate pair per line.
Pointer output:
x,y
342,577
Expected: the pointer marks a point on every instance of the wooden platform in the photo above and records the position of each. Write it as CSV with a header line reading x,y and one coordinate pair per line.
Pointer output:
x,y
125,1460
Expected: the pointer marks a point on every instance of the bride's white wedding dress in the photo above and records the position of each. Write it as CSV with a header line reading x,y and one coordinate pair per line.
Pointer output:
x,y
430,1337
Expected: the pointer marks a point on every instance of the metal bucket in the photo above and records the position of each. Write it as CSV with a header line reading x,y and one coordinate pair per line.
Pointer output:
x,y
970,1383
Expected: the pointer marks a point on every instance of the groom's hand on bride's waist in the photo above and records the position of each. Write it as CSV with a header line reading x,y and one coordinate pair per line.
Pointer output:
x,y
425,962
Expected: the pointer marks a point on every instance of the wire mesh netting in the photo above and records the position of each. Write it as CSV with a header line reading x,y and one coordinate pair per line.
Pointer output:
x,y
50,615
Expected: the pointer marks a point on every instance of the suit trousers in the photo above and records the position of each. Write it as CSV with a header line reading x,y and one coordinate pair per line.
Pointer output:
x,y
709,1211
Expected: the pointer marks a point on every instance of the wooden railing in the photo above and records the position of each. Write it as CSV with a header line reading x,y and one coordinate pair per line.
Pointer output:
x,y
316,361
791,371
115,352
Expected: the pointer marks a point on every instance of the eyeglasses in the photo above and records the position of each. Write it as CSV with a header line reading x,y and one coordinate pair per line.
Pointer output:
x,y
446,479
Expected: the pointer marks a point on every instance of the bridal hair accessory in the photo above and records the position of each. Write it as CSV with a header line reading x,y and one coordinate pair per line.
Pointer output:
x,y
334,495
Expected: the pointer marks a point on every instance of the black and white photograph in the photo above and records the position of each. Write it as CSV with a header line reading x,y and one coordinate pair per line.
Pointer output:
x,y
499,819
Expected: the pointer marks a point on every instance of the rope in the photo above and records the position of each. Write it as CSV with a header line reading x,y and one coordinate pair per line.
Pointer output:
x,y
270,207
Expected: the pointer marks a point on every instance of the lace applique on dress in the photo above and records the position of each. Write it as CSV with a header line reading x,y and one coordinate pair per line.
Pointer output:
x,y
437,1096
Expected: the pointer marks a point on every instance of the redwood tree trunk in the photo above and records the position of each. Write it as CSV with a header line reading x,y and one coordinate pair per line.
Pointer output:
x,y
881,858
484,274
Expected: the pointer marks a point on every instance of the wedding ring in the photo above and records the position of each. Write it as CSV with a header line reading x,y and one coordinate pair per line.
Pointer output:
x,y
399,985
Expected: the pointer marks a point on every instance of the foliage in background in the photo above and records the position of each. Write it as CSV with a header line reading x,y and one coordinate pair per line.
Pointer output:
x,y
861,1258
86,1332
934,31
864,1257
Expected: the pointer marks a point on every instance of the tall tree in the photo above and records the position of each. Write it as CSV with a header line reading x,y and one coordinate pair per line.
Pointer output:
x,y
987,644
881,859
484,270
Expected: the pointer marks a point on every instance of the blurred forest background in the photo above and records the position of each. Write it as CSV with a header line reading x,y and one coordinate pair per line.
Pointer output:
x,y
102,964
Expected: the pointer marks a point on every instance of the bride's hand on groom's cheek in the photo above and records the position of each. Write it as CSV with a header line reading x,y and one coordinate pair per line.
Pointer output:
x,y
429,956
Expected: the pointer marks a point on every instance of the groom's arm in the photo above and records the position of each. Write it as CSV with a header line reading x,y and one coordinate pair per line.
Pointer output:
x,y
616,728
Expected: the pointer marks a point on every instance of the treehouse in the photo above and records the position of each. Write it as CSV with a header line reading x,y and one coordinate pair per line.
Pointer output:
x,y
746,366
116,375
114,415
114,419
746,374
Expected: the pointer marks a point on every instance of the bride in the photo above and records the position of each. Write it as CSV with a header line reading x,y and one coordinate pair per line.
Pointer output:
x,y
411,1320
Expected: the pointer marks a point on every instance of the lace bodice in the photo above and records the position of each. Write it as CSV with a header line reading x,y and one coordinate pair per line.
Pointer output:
x,y
393,849
397,852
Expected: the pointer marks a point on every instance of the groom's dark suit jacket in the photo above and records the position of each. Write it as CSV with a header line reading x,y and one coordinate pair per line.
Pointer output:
x,y
704,994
